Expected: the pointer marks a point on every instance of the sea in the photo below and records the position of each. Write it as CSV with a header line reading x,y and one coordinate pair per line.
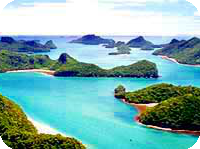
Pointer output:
x,y
85,108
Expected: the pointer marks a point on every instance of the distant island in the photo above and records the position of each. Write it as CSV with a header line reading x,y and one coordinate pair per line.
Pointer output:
x,y
18,132
166,107
8,43
184,52
121,49
93,40
143,44
67,66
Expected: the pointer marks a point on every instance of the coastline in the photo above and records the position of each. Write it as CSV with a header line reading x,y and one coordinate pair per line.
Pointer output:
x,y
175,61
43,128
142,107
46,72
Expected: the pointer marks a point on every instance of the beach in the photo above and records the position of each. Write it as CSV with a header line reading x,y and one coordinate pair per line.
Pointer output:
x,y
175,61
47,72
142,108
43,128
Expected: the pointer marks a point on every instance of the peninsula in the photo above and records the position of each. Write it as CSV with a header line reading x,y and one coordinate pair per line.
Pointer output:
x,y
184,52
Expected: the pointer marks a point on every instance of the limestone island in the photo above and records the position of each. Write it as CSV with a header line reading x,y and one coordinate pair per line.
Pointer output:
x,y
66,66
18,132
8,43
93,40
166,107
184,52
140,42
122,49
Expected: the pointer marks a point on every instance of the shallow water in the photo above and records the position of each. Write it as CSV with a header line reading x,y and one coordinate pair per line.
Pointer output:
x,y
85,107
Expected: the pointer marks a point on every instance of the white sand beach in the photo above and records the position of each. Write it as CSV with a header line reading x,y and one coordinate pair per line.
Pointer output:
x,y
43,128
47,72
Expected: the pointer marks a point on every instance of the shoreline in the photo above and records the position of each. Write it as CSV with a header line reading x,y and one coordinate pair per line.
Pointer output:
x,y
142,107
44,128
175,61
42,71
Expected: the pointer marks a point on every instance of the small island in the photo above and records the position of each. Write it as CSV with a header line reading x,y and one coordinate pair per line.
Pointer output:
x,y
66,66
121,49
8,43
18,132
165,107
93,40
183,52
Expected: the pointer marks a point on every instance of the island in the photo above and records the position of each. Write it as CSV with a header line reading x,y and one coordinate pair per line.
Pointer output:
x,y
66,66
184,52
121,49
33,46
93,40
113,45
140,42
18,132
165,106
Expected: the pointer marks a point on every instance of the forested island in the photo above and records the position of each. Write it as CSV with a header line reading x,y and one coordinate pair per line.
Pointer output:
x,y
69,67
121,49
177,106
18,132
184,52
93,40
138,42
32,46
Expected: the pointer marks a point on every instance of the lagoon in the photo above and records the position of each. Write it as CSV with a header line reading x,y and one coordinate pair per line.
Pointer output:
x,y
86,109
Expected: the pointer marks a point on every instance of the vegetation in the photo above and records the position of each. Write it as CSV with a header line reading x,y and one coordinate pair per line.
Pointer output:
x,y
18,132
69,67
180,113
185,52
15,61
93,40
122,49
8,43
120,92
140,42
159,92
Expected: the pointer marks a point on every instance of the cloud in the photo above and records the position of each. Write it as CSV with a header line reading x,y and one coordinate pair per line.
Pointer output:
x,y
83,17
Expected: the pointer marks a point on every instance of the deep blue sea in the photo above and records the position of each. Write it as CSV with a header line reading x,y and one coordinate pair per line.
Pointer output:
x,y
85,108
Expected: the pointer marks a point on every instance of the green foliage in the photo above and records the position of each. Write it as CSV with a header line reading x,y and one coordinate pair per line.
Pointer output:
x,y
122,49
185,52
140,69
19,133
69,67
159,92
177,113
15,61
8,43
120,92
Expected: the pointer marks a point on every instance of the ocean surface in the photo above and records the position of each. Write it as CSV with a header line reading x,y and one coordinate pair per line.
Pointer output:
x,y
86,109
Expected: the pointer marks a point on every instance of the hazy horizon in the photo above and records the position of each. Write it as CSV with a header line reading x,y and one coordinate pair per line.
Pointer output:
x,y
101,17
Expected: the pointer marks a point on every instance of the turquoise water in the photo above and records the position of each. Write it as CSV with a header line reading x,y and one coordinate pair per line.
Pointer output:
x,y
85,107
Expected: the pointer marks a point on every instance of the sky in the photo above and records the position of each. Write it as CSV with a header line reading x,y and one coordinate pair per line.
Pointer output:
x,y
102,17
